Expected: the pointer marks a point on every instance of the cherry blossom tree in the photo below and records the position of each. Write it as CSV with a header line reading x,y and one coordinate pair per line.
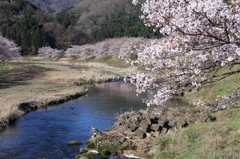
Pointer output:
x,y
117,47
199,36
8,50
49,52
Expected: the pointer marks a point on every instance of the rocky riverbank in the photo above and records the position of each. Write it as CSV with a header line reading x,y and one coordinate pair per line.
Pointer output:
x,y
135,133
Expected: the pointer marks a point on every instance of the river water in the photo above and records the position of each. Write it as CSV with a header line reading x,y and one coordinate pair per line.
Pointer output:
x,y
44,134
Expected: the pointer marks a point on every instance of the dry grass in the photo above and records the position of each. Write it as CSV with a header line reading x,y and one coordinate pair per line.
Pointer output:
x,y
24,82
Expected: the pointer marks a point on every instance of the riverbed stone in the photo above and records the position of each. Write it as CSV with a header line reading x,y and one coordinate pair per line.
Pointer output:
x,y
74,143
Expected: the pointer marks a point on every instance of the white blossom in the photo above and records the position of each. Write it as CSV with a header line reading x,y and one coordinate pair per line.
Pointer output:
x,y
198,36
8,50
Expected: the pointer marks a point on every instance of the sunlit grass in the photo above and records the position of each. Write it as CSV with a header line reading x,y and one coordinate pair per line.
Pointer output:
x,y
205,140
208,92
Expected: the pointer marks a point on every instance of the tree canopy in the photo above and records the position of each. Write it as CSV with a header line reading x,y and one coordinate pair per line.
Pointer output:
x,y
199,36
8,50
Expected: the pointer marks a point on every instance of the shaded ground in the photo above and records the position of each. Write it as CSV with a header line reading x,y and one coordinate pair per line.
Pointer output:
x,y
20,76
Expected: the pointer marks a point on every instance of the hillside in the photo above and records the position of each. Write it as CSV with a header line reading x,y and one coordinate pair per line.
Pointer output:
x,y
52,6
96,20
23,22
89,21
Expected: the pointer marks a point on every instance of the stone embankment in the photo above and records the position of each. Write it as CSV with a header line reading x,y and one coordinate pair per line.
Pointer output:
x,y
135,133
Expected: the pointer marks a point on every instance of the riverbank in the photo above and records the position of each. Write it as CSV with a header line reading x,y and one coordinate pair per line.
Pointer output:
x,y
180,133
26,85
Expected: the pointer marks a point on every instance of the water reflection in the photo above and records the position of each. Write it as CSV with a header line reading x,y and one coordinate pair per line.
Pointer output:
x,y
46,132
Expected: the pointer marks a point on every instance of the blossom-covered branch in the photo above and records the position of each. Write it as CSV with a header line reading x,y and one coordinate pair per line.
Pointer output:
x,y
198,36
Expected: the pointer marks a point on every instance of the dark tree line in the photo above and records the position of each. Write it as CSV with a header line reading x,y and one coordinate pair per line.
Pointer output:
x,y
17,24
32,28
27,34
124,24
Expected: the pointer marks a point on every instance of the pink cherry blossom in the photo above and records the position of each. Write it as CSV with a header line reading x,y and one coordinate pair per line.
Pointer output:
x,y
198,36
8,50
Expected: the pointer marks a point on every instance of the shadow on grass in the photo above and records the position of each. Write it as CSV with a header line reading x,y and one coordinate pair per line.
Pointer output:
x,y
21,74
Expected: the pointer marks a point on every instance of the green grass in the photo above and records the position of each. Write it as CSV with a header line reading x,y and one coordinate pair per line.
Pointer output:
x,y
217,140
108,60
208,92
205,140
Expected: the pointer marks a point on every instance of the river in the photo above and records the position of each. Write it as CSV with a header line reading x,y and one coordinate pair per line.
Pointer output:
x,y
44,134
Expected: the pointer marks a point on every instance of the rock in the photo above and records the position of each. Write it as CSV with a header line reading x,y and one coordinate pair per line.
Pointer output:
x,y
164,131
170,131
90,155
162,121
172,122
148,120
142,129
156,133
74,143
155,127
91,145
125,146
158,114
105,153
140,134
148,135
96,131
144,124
133,127
105,145
180,123
82,150
122,139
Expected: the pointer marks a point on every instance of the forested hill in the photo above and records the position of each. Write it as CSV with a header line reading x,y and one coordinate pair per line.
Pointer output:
x,y
89,21
52,6
22,22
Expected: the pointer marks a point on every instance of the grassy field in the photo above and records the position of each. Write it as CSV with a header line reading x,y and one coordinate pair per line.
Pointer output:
x,y
48,80
33,80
